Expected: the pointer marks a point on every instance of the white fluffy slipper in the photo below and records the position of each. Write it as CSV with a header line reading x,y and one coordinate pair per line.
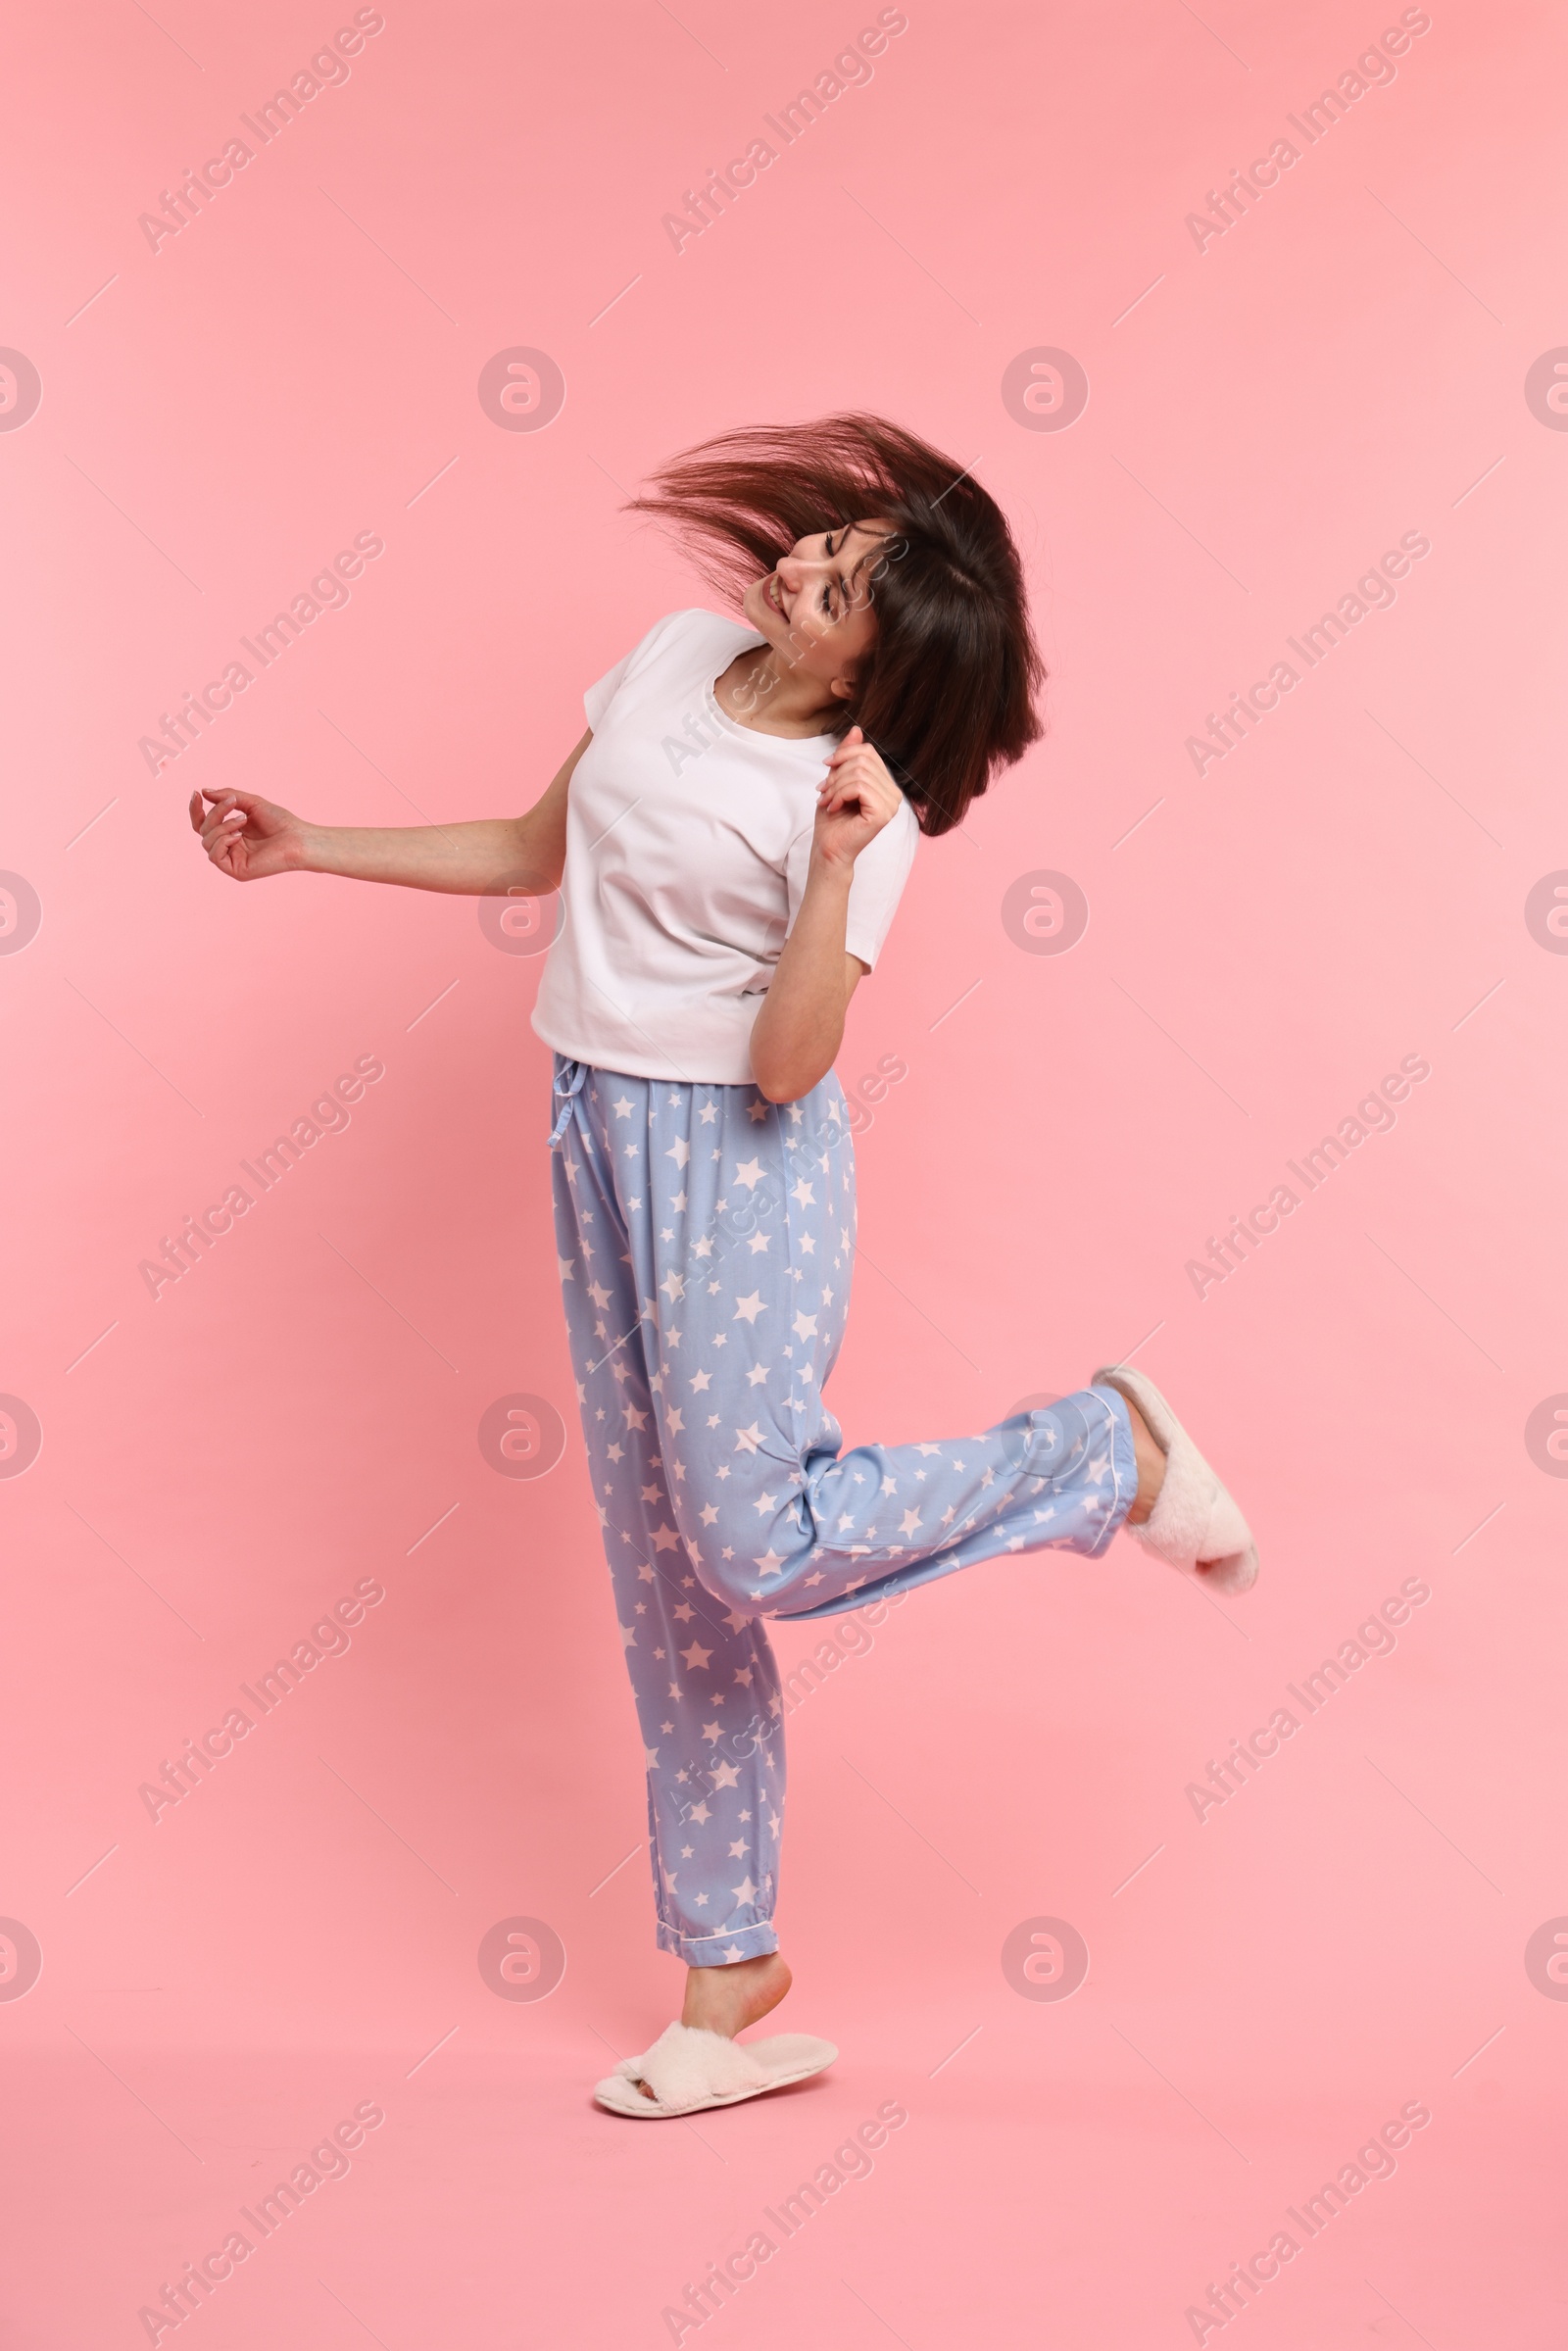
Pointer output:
x,y
687,2069
1195,1525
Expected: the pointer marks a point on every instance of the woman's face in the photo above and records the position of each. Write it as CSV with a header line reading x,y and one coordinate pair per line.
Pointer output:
x,y
816,608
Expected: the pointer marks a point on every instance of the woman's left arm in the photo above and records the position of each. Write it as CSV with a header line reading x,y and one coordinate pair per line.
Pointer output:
x,y
797,1034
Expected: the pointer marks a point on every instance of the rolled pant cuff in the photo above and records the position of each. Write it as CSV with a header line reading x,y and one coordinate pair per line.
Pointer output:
x,y
718,1951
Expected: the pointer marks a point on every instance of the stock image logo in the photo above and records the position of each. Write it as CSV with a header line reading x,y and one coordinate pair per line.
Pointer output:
x,y
21,912
1546,912
520,924
20,1959
522,1436
522,390
1045,390
1545,388
1547,1958
20,389
1045,1959
21,1435
522,1959
1546,1436
1045,914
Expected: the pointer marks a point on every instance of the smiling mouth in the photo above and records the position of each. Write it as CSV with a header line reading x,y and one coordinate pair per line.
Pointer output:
x,y
774,595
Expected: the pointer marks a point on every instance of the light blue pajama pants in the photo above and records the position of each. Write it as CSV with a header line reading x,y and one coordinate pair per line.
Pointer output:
x,y
706,1240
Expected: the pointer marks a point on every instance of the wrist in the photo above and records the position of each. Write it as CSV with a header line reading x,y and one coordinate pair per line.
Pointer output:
x,y
827,872
309,852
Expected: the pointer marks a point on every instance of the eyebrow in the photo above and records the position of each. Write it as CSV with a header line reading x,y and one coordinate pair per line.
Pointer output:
x,y
845,530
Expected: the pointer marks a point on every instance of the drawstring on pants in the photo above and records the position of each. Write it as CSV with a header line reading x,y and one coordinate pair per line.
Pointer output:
x,y
566,1087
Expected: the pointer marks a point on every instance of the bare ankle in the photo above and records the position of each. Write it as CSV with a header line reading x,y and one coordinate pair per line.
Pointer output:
x,y
726,1999
1150,1467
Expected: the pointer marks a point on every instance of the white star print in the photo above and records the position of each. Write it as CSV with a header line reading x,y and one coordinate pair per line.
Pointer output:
x,y
749,1173
622,1108
750,1307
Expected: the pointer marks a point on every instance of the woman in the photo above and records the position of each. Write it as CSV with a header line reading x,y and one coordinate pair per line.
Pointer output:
x,y
730,839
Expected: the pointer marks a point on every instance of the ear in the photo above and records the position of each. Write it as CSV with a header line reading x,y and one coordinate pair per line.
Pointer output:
x,y
843,688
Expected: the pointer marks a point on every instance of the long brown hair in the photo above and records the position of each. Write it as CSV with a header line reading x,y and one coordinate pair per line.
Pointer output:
x,y
945,692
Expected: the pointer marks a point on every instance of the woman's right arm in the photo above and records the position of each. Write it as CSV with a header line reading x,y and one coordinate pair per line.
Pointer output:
x,y
249,838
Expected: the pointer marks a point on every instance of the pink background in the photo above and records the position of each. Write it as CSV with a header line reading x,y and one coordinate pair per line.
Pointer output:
x,y
1265,417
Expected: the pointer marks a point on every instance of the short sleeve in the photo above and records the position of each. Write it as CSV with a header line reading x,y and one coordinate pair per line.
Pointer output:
x,y
881,870
598,699
662,638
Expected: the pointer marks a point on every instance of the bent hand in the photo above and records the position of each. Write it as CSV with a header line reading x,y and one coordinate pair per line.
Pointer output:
x,y
247,837
856,797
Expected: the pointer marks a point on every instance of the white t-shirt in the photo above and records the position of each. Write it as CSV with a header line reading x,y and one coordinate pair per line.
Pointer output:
x,y
688,840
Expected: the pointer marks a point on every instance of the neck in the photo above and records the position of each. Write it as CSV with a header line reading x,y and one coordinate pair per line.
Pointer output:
x,y
776,698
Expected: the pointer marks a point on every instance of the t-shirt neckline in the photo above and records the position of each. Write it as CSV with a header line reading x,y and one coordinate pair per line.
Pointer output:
x,y
800,743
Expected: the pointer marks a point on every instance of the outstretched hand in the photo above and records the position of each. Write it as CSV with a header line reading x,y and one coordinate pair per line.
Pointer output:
x,y
856,797
247,837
